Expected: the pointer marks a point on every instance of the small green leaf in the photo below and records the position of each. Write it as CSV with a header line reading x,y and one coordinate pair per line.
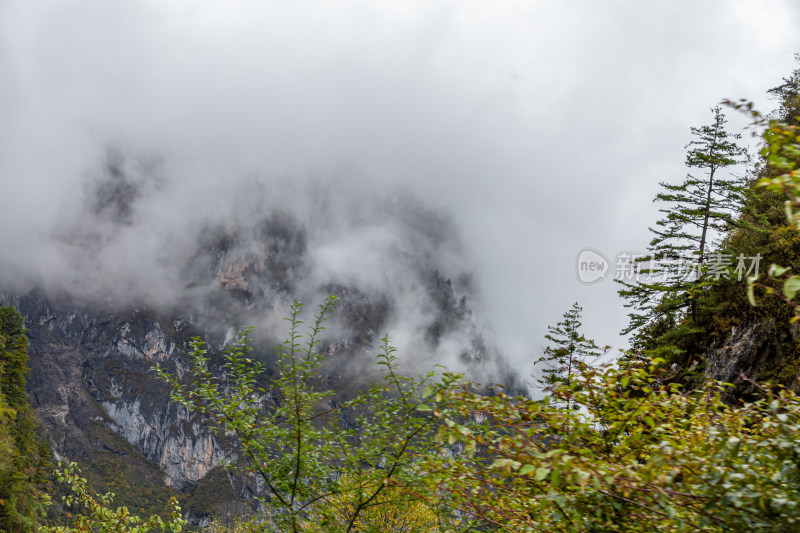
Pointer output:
x,y
469,448
791,286
775,270
751,297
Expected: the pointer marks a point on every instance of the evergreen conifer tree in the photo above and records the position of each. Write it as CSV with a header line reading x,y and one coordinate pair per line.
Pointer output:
x,y
568,350
696,210
23,470
788,94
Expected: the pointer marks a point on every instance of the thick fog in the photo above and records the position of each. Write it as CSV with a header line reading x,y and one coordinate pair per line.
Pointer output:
x,y
490,140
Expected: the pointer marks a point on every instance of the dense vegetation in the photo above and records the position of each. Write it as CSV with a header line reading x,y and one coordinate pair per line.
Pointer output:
x,y
24,467
650,444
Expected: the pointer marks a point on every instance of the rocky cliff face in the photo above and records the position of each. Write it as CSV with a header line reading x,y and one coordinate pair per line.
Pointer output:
x,y
90,374
91,381
760,349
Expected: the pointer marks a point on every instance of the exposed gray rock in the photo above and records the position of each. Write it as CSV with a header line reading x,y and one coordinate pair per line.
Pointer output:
x,y
760,349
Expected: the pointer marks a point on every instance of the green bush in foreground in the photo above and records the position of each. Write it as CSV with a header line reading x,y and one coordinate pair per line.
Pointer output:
x,y
297,441
635,456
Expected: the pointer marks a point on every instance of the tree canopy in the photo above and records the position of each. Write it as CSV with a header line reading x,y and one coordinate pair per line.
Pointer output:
x,y
23,453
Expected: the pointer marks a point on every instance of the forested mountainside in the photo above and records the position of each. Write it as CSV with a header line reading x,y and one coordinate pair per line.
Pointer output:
x,y
91,381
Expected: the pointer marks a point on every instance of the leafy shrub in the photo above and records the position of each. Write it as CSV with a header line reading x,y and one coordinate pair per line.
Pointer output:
x,y
636,455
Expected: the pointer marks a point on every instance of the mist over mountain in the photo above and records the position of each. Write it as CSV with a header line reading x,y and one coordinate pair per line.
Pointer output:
x,y
128,241
133,277
485,115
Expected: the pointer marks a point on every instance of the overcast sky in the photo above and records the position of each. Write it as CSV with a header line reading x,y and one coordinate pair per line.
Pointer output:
x,y
540,127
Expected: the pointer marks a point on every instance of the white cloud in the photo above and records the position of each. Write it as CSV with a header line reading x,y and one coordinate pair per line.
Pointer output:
x,y
541,127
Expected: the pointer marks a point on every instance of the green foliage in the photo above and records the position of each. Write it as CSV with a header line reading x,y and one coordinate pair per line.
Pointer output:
x,y
94,512
24,456
696,209
391,512
568,352
14,358
638,456
135,483
236,524
297,441
652,341
781,177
